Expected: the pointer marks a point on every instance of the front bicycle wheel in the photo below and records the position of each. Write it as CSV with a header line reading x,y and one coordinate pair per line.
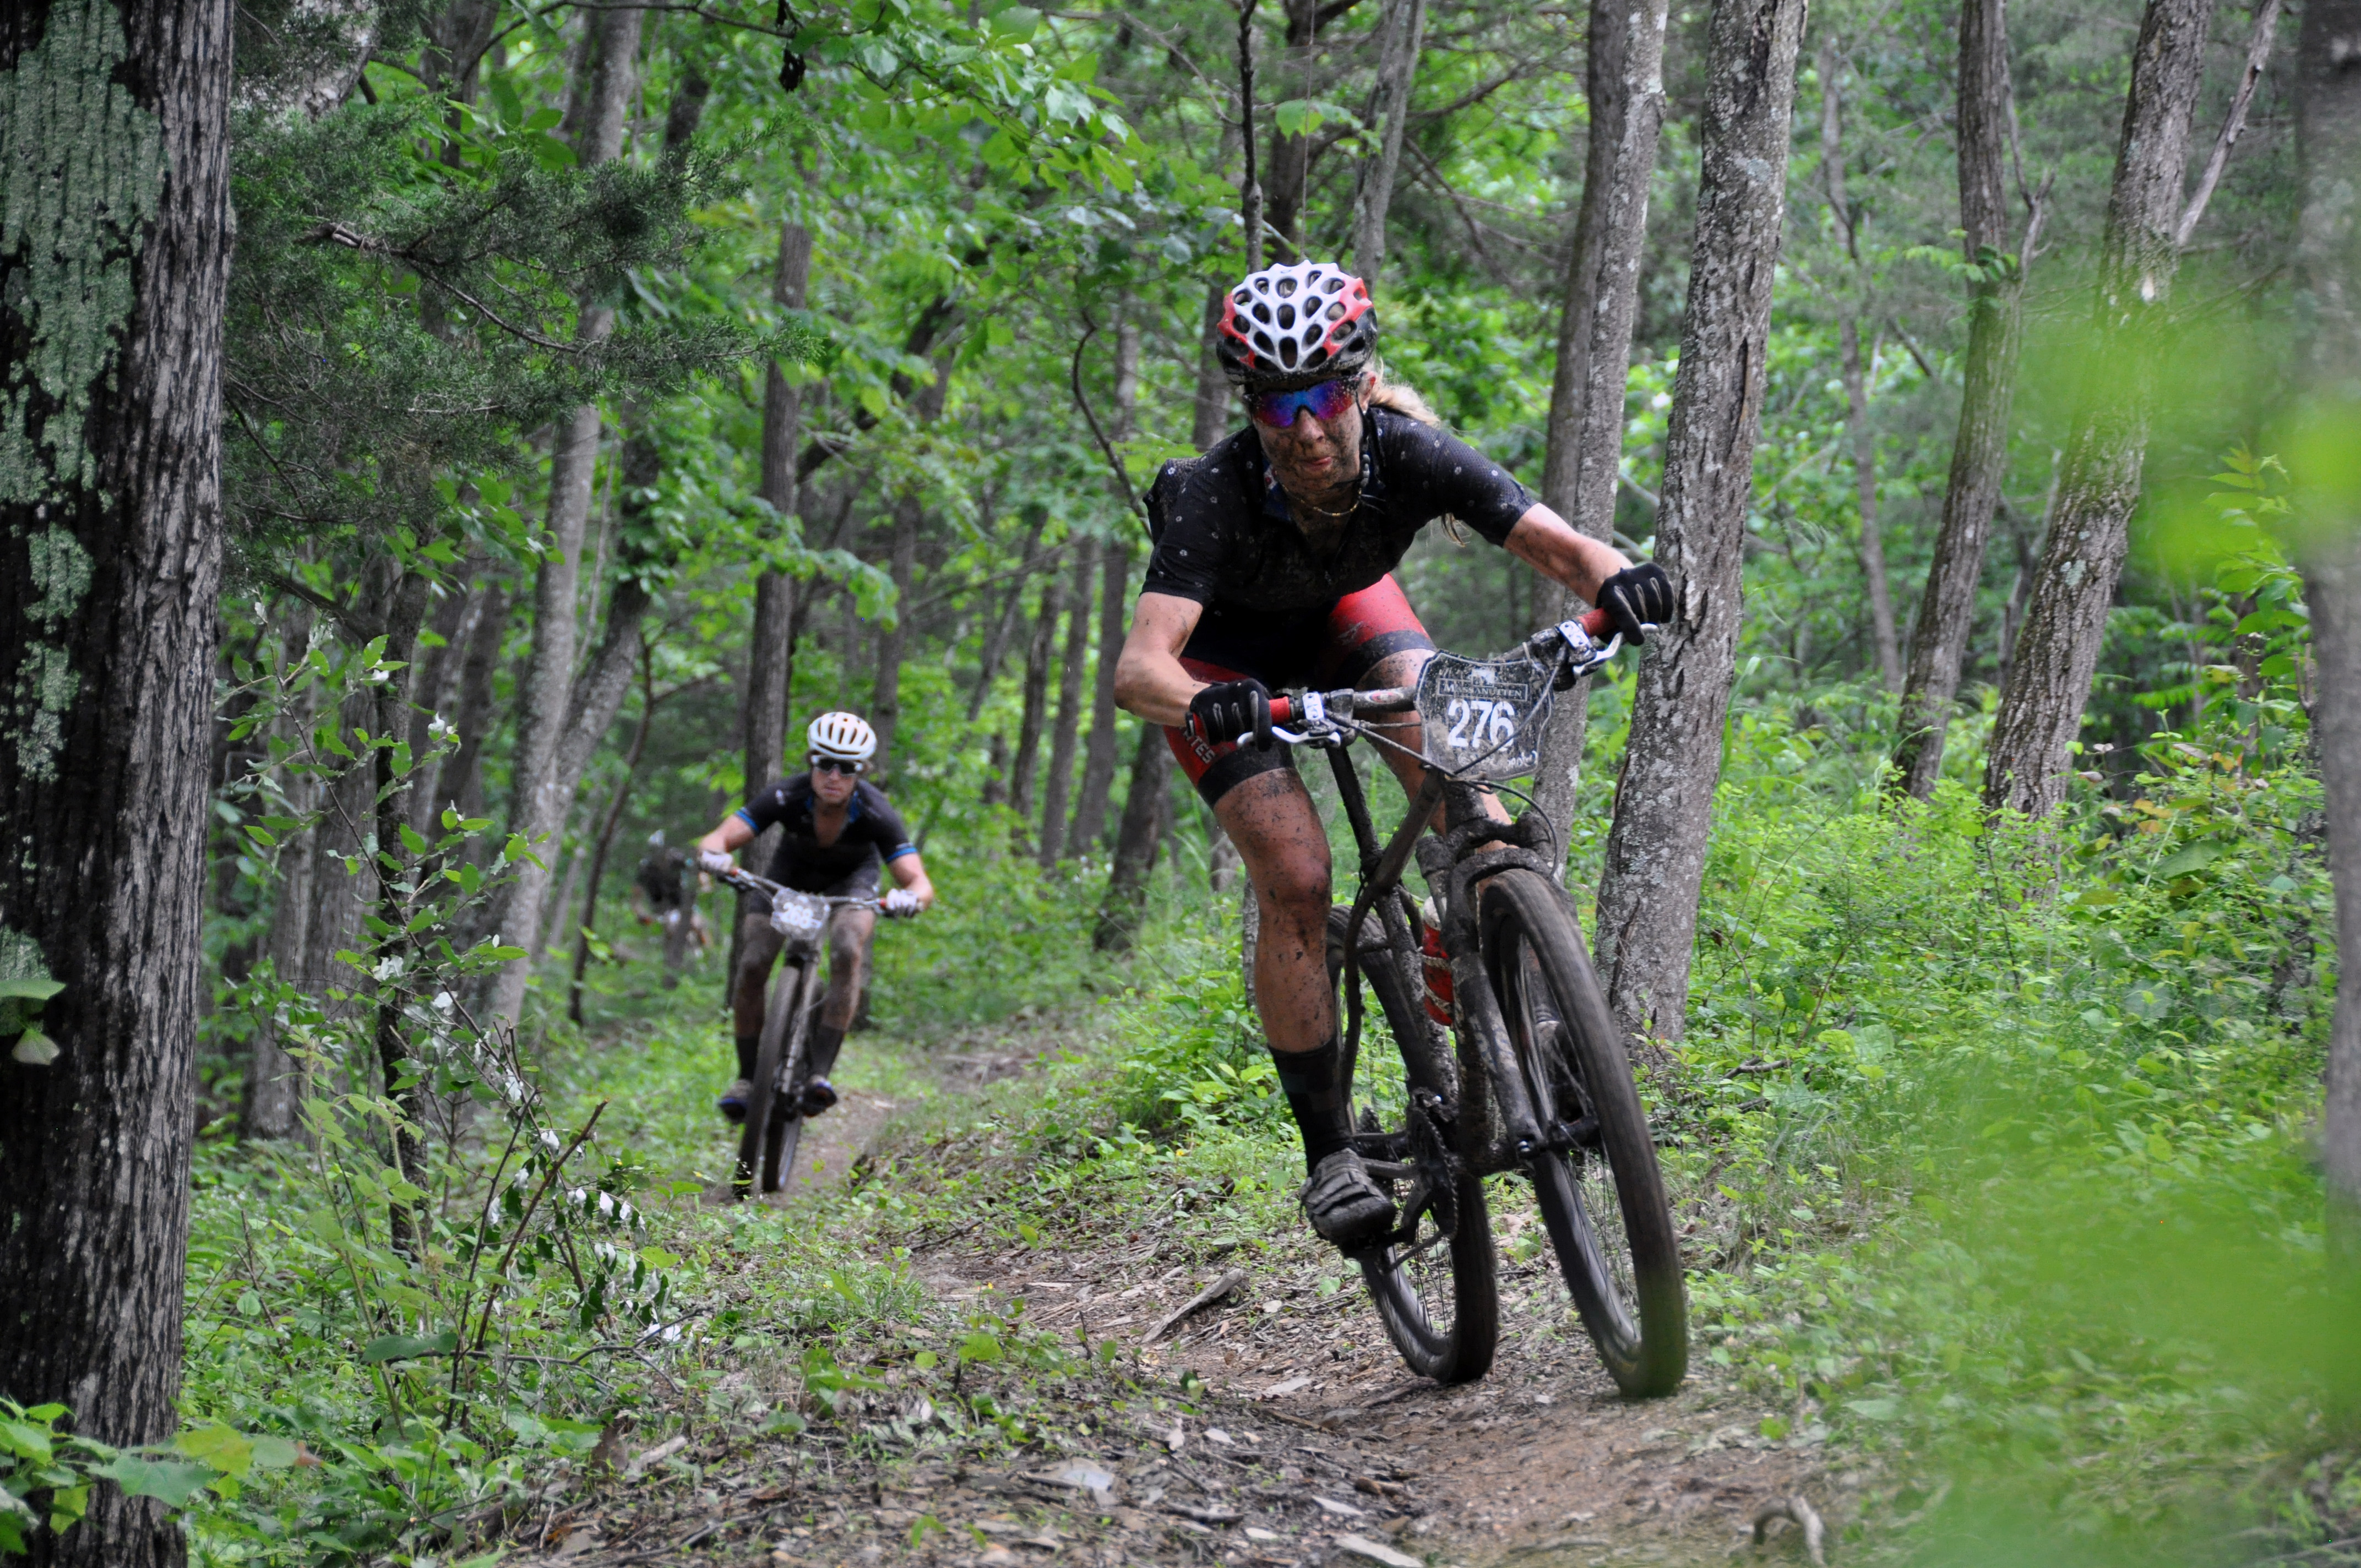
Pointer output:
x,y
1433,1279
1600,1187
773,1129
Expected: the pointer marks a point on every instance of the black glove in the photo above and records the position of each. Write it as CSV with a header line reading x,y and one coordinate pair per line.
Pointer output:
x,y
1230,710
1637,596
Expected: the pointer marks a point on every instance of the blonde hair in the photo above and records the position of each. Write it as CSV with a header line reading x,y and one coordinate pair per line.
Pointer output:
x,y
1402,399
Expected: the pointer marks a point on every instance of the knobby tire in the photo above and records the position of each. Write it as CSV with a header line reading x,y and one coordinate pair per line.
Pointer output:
x,y
1410,1291
1603,1199
773,1130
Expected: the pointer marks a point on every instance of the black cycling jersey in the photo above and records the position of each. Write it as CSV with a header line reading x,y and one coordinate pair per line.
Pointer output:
x,y
873,829
1224,536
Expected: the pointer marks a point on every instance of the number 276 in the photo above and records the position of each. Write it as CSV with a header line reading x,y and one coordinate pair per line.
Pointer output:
x,y
1477,722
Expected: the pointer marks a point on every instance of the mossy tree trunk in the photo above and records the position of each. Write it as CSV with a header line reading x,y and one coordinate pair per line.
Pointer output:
x,y
112,293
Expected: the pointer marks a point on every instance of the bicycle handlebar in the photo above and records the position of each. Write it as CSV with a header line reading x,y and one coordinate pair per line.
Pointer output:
x,y
1284,708
747,882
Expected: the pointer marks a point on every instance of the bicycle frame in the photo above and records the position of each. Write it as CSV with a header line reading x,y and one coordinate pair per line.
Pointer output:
x,y
1498,1129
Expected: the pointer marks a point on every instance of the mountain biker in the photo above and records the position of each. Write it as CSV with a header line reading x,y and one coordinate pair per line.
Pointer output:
x,y
1273,562
835,831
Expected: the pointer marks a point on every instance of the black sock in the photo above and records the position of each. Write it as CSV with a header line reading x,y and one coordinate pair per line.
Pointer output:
x,y
747,1046
825,1043
1308,1079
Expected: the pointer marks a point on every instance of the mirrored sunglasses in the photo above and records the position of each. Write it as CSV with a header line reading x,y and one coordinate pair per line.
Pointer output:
x,y
835,765
1326,401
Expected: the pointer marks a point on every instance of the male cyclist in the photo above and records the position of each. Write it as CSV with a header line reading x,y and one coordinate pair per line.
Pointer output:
x,y
835,831
1273,567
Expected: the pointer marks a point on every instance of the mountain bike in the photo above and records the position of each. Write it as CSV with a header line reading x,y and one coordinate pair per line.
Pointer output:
x,y
1531,1073
775,1127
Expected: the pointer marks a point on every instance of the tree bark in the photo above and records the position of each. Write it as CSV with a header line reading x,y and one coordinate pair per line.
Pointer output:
x,y
2328,301
1068,731
460,784
770,657
613,818
2066,624
1036,698
1137,841
390,866
542,794
885,694
1583,452
1100,757
1655,853
439,674
1946,610
267,1103
1210,411
113,285
1404,31
1886,647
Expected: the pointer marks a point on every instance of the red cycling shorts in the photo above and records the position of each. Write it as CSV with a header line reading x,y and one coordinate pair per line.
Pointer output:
x,y
1334,647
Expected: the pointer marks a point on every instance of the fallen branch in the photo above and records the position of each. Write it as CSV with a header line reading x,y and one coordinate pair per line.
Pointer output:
x,y
1799,1511
1202,1298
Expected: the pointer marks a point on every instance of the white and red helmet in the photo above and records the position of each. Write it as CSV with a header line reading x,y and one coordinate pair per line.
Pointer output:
x,y
1295,326
845,736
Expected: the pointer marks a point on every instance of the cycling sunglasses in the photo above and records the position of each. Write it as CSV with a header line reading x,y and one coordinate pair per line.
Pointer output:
x,y
1326,401
835,765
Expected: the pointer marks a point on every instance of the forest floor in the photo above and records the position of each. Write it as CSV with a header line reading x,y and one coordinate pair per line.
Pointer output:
x,y
1302,1440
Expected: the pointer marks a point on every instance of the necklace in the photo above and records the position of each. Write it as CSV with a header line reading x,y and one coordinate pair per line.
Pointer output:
x,y
1347,510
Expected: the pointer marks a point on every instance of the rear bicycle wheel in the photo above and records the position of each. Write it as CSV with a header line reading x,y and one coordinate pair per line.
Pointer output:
x,y
1433,1279
1600,1191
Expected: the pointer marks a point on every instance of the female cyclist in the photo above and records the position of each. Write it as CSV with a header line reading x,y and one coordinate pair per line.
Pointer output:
x,y
1274,554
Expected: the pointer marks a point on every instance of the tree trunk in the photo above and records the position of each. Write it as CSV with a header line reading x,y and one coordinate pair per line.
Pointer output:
x,y
112,291
1584,448
1946,610
1100,757
460,784
1887,643
1655,853
390,866
1404,30
2066,624
770,658
1884,645
1036,698
542,795
1210,411
613,818
2328,296
1069,707
267,1104
1136,844
440,673
885,694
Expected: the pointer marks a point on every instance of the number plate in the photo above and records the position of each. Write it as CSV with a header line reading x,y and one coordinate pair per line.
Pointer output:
x,y
798,916
1482,716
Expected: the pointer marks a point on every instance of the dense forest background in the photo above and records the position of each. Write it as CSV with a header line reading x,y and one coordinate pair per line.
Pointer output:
x,y
607,390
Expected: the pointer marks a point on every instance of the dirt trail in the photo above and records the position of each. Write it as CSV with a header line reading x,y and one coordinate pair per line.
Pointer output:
x,y
1315,1445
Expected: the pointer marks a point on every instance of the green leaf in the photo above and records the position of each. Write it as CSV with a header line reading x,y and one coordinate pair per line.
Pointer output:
x,y
231,1452
1874,1409
2195,857
25,1441
1016,24
275,1453
31,989
405,1347
1298,117
174,1481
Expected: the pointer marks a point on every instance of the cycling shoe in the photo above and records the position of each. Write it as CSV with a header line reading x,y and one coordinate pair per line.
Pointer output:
x,y
1343,1205
732,1104
819,1095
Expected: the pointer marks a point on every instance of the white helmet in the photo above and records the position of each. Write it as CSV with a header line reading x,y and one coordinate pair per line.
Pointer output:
x,y
844,735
